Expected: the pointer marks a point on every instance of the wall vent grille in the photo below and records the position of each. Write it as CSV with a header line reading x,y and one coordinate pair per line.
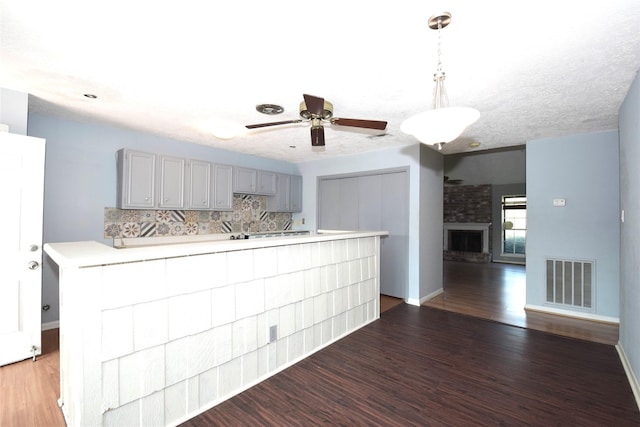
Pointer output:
x,y
570,282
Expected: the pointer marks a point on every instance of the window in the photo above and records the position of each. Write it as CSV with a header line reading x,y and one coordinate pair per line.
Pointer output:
x,y
514,225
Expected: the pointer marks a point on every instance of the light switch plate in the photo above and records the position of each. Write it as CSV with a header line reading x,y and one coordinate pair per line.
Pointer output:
x,y
559,202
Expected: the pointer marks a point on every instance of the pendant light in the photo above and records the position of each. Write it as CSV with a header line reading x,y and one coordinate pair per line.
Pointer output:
x,y
442,123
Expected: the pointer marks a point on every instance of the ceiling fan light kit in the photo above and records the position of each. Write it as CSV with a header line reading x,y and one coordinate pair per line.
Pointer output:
x,y
442,123
318,111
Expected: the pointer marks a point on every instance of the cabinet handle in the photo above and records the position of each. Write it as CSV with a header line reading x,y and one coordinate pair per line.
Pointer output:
x,y
204,202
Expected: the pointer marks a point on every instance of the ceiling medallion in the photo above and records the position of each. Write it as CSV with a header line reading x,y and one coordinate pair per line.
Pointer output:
x,y
269,109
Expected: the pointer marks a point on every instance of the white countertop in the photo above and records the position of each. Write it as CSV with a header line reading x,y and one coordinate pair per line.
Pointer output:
x,y
91,253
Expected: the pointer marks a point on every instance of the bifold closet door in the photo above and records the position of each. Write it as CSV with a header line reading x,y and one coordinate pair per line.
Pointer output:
x,y
371,202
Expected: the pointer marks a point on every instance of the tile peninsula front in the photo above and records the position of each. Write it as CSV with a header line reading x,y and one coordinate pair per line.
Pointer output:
x,y
155,335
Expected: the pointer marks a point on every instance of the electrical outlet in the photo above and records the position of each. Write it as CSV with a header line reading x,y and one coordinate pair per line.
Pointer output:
x,y
273,333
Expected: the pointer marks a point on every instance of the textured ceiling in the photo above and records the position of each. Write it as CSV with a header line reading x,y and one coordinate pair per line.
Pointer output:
x,y
179,69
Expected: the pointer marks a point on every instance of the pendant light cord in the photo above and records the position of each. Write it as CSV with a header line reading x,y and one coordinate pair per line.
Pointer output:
x,y
440,99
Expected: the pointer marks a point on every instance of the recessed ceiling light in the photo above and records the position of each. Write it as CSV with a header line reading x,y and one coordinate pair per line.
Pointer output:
x,y
269,109
474,144
90,96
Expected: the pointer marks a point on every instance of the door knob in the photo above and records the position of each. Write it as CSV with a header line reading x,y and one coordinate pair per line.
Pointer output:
x,y
33,265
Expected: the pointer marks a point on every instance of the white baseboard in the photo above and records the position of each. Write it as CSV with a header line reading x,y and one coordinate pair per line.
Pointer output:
x,y
51,325
633,380
419,302
574,314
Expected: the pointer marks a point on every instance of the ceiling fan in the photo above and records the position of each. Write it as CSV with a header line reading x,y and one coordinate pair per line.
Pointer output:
x,y
317,110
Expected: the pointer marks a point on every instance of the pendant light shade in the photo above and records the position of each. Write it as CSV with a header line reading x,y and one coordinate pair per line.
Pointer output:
x,y
441,124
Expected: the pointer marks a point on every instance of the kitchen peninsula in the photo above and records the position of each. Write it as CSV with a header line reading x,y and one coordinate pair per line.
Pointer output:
x,y
154,335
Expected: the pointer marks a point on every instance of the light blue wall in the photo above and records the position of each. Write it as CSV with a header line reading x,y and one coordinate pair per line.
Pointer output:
x,y
420,199
495,167
583,170
431,221
13,110
629,121
80,180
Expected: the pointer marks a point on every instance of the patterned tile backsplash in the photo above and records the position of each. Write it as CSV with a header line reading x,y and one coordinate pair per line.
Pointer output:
x,y
249,215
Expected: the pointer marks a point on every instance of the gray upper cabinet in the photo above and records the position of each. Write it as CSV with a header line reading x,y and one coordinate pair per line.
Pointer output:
x,y
222,188
267,182
209,186
136,180
171,182
281,202
288,197
254,181
155,181
198,184
245,180
296,193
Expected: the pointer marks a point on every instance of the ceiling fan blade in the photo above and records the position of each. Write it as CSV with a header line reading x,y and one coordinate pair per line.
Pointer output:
x,y
314,104
317,136
264,125
358,123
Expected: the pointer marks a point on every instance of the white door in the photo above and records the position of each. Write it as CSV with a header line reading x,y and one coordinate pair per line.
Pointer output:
x,y
22,189
394,249
376,201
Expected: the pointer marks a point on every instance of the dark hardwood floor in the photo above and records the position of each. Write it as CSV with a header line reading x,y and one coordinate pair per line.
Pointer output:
x,y
497,292
425,366
414,366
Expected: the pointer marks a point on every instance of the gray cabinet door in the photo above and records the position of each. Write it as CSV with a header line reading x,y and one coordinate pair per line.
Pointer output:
x,y
374,201
245,181
136,179
222,188
267,183
199,184
296,193
281,201
171,186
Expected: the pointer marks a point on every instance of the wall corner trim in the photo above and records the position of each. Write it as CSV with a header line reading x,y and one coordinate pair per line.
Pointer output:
x,y
425,298
633,380
51,325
